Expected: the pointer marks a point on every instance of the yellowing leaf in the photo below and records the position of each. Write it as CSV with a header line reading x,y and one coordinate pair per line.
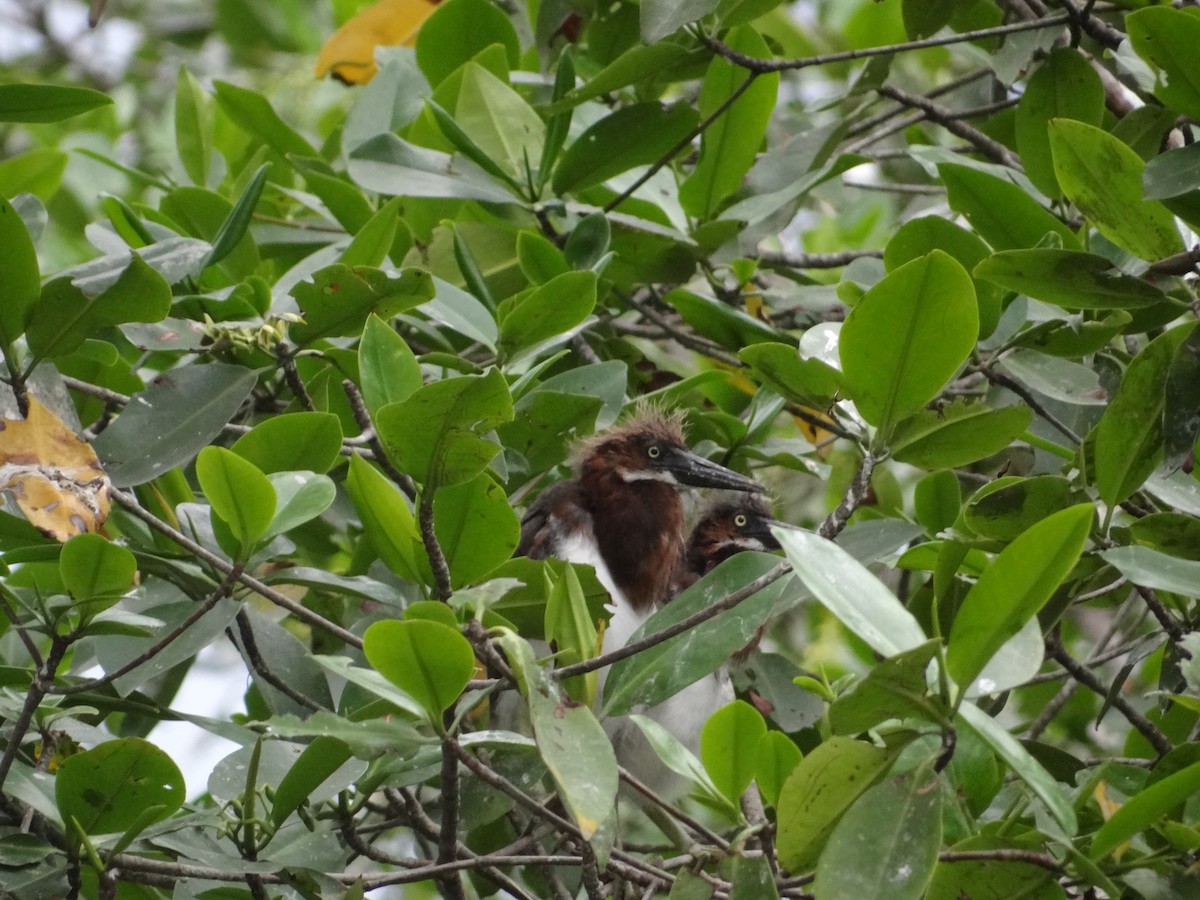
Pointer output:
x,y
349,54
54,476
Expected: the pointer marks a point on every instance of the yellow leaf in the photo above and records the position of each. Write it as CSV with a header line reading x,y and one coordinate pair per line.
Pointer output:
x,y
349,54
54,476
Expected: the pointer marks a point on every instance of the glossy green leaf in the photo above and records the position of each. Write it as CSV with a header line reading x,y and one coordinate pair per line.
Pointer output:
x,y
47,102
386,518
499,121
680,760
300,497
1014,587
957,434
96,571
588,241
819,792
1007,507
237,223
778,365
721,322
539,259
572,743
1005,216
19,276
393,167
894,689
660,18
1103,177
239,493
117,784
907,337
1150,568
1167,38
1023,765
729,146
426,659
778,757
299,441
1129,436
438,434
171,420
688,886
1173,173
996,878
320,759
387,366
664,669
923,19
193,126
1068,278
1181,403
636,135
339,298
900,819
848,590
1064,86
548,311
373,241
572,630
173,258
66,315
751,878
457,31
937,499
252,112
476,528
729,747
1058,378
917,237
1143,809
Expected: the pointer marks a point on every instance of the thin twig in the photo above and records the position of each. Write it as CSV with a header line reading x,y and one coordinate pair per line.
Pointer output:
x,y
1002,855
42,682
855,494
1011,384
363,417
938,114
259,666
817,260
437,559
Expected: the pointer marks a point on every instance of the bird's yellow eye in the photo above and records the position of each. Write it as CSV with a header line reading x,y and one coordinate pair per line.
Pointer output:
x,y
653,452
739,520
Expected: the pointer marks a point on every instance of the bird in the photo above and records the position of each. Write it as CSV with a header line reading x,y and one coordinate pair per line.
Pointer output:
x,y
623,514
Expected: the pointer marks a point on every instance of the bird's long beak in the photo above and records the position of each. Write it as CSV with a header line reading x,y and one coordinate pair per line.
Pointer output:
x,y
696,471
762,532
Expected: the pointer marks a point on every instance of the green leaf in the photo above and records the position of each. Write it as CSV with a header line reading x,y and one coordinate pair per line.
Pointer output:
x,y
718,321
386,364
47,102
1103,177
437,434
548,311
894,689
900,819
320,759
729,747
937,499
663,670
1023,765
171,420
426,659
569,625
679,759
848,590
300,497
539,259
1173,173
339,298
729,146
778,757
1168,38
1006,508
588,241
558,124
907,337
751,878
251,112
1064,86
1145,808
386,518
1068,278
392,166
818,793
660,18
499,121
96,571
957,434
174,259
917,237
239,494
1181,403
1150,568
995,878
300,441
572,743
66,316
923,18
1129,436
808,381
373,242
1014,587
476,528
193,126
237,223
1005,216
111,787
635,135
19,275
457,31
632,66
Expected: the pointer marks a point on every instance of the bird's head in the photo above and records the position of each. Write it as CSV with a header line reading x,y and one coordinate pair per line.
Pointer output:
x,y
728,527
650,447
